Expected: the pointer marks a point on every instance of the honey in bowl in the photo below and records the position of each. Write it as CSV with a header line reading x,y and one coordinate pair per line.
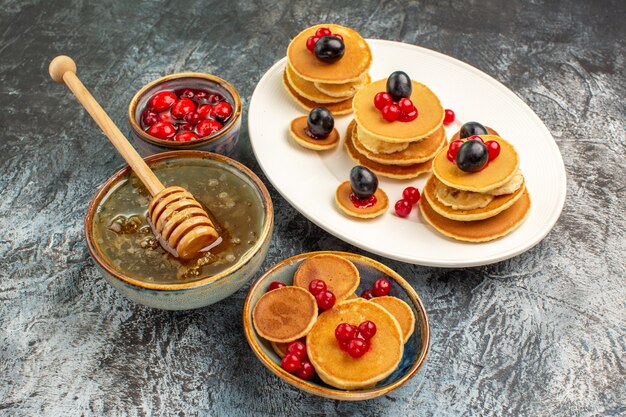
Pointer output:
x,y
128,245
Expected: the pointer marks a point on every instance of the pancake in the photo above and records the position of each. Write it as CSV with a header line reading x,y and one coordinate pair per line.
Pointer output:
x,y
499,171
490,131
297,130
308,90
339,274
511,186
343,107
459,199
279,348
336,367
415,153
480,230
342,198
429,118
285,314
350,68
344,90
376,146
390,171
497,205
401,311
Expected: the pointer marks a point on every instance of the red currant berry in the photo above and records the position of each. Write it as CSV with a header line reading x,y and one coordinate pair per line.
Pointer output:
x,y
367,329
316,286
323,32
382,99
204,110
367,294
162,130
345,332
453,149
291,362
148,118
161,101
182,107
403,207
476,137
193,117
208,127
306,371
338,36
165,116
275,285
344,345
214,98
411,194
325,300
222,111
391,112
310,43
493,148
405,105
449,117
407,117
185,137
297,347
186,93
381,287
357,348
184,127
201,95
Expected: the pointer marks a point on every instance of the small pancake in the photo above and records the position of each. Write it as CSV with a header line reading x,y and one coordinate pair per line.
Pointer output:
x,y
490,131
343,107
308,90
390,171
353,64
497,205
297,129
339,274
336,367
415,153
370,119
285,314
342,198
497,173
376,146
401,311
344,90
279,348
480,230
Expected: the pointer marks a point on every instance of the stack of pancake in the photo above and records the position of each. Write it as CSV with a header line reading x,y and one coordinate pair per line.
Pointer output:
x,y
396,149
313,83
476,206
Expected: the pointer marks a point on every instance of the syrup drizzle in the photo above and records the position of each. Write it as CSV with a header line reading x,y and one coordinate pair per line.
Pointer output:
x,y
363,203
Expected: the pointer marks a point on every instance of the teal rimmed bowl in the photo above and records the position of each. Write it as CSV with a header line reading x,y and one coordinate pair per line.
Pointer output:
x,y
415,349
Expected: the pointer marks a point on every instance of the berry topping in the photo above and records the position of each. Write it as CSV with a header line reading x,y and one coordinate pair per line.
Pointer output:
x,y
363,203
381,287
411,194
323,32
357,348
166,116
345,332
214,98
161,101
162,130
403,208
472,156
453,149
291,362
186,93
297,347
399,85
316,286
363,182
204,110
275,285
449,117
476,137
310,43
182,107
325,300
185,127
472,128
329,49
493,148
208,127
405,105
407,117
222,111
306,371
148,118
185,137
367,329
391,112
201,95
367,294
320,122
382,99
193,117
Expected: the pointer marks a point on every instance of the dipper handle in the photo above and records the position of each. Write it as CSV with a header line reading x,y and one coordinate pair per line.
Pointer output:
x,y
63,70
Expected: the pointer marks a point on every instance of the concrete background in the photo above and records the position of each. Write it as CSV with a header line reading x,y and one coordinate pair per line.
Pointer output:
x,y
542,334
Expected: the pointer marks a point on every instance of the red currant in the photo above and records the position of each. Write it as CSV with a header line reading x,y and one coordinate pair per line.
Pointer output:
x,y
297,347
325,300
306,371
357,348
345,332
453,149
382,99
184,127
275,285
367,294
214,98
208,127
411,194
161,101
344,345
222,111
407,117
493,148
182,107
310,43
165,116
148,118
338,36
193,117
381,287
186,93
162,130
185,137
316,286
204,110
405,105
449,117
323,32
367,329
476,137
403,207
201,95
391,112
291,362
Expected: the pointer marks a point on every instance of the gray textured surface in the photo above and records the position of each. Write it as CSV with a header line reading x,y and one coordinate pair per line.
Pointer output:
x,y
540,334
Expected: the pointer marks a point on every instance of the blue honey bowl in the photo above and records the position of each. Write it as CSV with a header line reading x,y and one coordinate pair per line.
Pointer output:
x,y
415,349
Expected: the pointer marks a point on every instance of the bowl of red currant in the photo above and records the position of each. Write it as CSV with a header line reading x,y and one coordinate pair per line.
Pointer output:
x,y
187,110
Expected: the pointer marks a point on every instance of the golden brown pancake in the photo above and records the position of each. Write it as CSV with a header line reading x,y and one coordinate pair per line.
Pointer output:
x,y
497,205
339,274
480,230
401,311
415,153
497,173
279,348
391,171
285,314
343,107
308,90
298,128
370,119
355,62
342,198
490,131
336,367
344,90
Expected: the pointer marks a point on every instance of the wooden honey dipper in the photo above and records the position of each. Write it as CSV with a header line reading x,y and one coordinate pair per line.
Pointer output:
x,y
179,222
